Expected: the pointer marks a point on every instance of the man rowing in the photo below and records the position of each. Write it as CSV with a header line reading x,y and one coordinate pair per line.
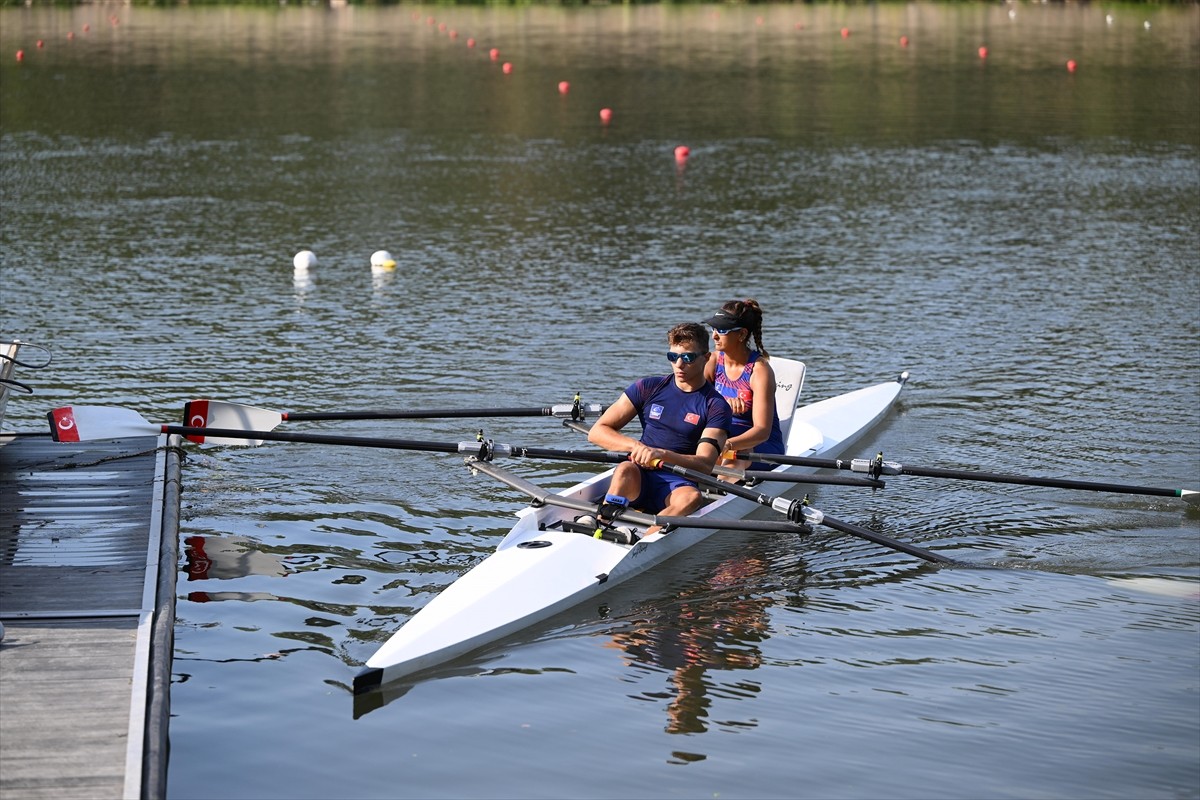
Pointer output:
x,y
685,421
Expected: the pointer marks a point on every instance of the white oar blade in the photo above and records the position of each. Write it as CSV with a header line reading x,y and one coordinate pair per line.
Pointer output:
x,y
86,423
1167,587
1190,496
229,416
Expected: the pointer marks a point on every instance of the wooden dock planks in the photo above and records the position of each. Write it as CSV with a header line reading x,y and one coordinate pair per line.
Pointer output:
x,y
88,554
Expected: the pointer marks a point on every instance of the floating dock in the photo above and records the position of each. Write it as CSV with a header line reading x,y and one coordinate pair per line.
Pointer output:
x,y
88,558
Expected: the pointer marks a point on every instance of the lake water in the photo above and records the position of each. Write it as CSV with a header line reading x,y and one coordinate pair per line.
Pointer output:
x,y
1021,237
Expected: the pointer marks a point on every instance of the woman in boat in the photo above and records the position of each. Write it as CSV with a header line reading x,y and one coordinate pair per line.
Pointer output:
x,y
744,377
684,422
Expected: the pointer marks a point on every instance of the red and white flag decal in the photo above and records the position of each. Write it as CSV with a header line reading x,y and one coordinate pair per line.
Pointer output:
x,y
692,418
197,414
64,428
197,417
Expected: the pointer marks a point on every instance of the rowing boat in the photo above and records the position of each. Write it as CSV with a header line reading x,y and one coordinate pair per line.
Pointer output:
x,y
547,563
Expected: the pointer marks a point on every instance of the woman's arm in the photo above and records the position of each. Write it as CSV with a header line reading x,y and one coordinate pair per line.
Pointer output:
x,y
762,387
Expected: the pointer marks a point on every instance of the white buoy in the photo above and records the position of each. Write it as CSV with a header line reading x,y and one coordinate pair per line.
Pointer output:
x,y
304,260
382,261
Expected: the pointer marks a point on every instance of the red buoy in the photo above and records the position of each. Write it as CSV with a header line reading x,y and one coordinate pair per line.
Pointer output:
x,y
494,53
904,41
606,115
845,33
20,55
681,153
470,42
507,68
1071,65
563,87
983,52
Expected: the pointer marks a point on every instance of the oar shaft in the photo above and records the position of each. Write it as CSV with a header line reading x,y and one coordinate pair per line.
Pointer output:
x,y
200,434
798,461
768,476
1057,483
886,541
543,496
441,413
871,467
796,511
483,449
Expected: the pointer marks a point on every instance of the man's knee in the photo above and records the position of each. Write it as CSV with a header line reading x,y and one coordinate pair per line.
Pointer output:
x,y
687,499
625,469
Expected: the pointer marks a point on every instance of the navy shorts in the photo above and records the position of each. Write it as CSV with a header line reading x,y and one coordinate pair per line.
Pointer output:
x,y
656,487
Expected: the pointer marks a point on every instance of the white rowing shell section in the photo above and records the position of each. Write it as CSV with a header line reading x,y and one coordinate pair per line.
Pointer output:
x,y
510,589
536,572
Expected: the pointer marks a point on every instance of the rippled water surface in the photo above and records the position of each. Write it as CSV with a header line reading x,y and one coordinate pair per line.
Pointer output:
x,y
1022,238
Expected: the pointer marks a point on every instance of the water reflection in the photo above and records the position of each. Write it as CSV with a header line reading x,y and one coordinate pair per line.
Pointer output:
x,y
711,627
302,284
225,557
380,280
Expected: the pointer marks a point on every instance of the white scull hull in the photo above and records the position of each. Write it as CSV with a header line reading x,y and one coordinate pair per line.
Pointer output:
x,y
539,570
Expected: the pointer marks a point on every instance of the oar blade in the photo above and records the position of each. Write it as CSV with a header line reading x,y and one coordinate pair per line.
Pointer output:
x,y
228,416
89,423
1190,496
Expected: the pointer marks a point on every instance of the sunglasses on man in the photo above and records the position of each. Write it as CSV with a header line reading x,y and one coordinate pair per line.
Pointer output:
x,y
688,358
